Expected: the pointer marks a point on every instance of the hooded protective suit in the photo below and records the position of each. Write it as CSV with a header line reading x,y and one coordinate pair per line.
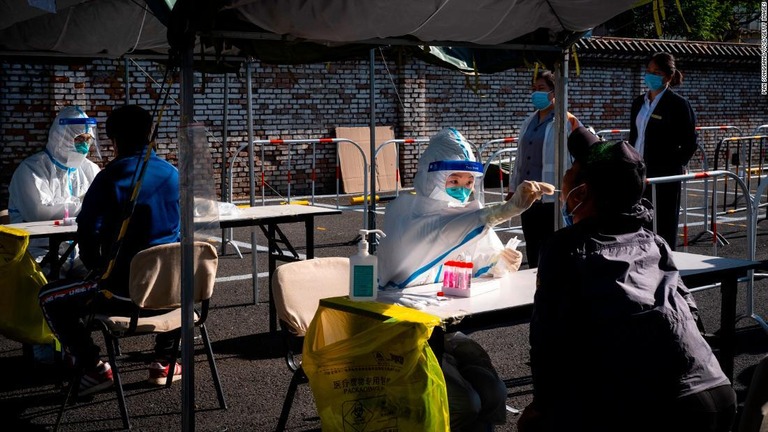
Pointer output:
x,y
58,177
426,229
44,181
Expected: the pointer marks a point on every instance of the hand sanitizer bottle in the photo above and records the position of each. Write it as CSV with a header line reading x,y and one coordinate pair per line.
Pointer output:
x,y
363,274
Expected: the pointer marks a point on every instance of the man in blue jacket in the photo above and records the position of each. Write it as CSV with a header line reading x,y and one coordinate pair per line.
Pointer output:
x,y
155,220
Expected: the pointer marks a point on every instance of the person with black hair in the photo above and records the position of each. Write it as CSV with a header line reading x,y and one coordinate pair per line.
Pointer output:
x,y
663,131
155,220
612,318
535,162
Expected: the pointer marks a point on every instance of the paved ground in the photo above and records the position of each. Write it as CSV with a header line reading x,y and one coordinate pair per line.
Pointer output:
x,y
252,368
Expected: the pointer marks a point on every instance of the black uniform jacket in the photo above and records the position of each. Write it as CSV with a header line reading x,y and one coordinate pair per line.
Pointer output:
x,y
670,136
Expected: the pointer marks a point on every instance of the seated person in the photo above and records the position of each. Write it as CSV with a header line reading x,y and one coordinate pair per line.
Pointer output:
x,y
51,183
155,220
435,225
614,340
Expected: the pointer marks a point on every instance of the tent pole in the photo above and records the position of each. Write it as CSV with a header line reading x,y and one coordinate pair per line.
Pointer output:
x,y
225,144
126,82
225,234
561,128
186,163
249,92
252,179
372,187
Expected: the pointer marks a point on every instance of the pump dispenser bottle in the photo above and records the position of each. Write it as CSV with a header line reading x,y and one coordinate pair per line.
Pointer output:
x,y
363,270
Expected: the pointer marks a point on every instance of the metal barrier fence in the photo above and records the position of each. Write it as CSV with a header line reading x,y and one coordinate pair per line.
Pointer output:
x,y
707,138
752,210
397,143
313,176
761,130
702,139
623,133
512,153
743,159
489,145
706,176
755,204
698,162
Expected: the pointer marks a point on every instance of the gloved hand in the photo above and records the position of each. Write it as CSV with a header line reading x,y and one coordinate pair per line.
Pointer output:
x,y
513,257
509,261
525,195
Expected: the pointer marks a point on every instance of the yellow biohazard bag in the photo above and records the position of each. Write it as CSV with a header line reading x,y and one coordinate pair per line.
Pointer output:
x,y
370,368
21,318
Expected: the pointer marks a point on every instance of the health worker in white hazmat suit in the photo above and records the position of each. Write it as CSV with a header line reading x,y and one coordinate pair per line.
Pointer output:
x,y
51,183
439,222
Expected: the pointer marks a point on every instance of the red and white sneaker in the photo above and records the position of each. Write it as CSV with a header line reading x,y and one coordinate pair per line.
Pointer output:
x,y
96,379
158,373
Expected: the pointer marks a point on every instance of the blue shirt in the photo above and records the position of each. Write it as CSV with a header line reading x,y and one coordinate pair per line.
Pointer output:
x,y
155,219
531,148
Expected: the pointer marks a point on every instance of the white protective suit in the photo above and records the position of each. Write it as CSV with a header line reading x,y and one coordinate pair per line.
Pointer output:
x,y
426,229
43,182
61,174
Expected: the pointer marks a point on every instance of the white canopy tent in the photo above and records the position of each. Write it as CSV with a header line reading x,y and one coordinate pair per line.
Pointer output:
x,y
479,36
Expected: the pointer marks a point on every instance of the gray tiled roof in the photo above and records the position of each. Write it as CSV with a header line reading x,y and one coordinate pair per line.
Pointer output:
x,y
627,48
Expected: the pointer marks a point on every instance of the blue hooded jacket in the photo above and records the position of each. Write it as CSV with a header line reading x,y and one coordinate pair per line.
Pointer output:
x,y
155,220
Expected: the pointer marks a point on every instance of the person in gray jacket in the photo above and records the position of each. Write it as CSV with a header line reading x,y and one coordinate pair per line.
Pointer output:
x,y
614,338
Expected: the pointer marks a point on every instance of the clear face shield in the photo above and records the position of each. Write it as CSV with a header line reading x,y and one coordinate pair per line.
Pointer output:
x,y
78,138
458,181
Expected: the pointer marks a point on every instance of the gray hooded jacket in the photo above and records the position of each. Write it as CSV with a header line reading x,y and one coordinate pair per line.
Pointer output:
x,y
613,319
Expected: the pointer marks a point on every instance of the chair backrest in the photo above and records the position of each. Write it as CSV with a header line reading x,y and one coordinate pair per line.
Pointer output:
x,y
4,217
155,277
298,286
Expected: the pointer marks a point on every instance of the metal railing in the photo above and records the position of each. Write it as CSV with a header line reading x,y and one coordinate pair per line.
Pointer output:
x,y
512,153
313,176
397,143
755,205
623,132
489,145
742,159
653,181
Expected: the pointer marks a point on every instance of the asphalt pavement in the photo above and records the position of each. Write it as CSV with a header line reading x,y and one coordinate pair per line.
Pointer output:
x,y
250,360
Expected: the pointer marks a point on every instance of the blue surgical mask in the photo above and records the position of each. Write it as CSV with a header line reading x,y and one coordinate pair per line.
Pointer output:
x,y
540,99
654,82
82,147
459,193
568,215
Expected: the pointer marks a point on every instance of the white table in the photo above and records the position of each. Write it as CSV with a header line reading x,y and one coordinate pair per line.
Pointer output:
x,y
56,234
512,303
515,291
45,229
268,218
